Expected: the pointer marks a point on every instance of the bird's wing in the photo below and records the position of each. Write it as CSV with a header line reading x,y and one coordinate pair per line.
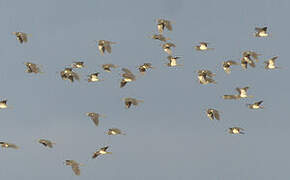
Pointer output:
x,y
76,169
95,119
216,114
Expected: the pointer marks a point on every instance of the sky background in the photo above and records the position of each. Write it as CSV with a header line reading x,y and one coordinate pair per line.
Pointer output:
x,y
169,135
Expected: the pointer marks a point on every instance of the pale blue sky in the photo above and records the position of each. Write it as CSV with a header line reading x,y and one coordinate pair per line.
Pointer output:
x,y
168,137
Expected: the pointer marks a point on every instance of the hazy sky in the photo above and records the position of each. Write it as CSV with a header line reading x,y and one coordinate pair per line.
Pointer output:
x,y
168,136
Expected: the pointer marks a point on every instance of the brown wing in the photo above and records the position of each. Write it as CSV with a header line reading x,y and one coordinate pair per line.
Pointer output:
x,y
258,103
168,25
216,114
76,169
105,148
95,119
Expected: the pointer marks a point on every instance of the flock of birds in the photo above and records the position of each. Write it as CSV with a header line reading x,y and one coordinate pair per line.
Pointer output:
x,y
204,77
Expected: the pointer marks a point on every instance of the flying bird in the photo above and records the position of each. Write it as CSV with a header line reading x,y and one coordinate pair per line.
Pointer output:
x,y
203,46
167,47
3,104
131,101
32,68
205,77
236,130
160,37
213,114
8,145
256,105
173,61
21,37
271,63
69,74
227,65
128,76
95,117
143,68
104,45
243,92
162,23
46,143
107,67
261,32
115,131
102,151
78,64
94,77
75,166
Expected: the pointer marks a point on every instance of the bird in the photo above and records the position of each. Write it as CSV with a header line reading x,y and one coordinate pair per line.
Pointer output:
x,y
162,23
102,151
261,32
104,45
115,131
94,117
107,67
236,130
143,68
69,74
246,59
172,61
46,143
8,145
94,77
227,65
205,77
131,101
256,105
32,68
243,92
203,46
75,166
78,64
271,63
3,104
167,47
21,37
128,76
159,37
213,114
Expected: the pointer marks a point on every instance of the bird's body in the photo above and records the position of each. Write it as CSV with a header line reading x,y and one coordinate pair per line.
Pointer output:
x,y
131,101
227,65
160,37
115,131
167,47
243,92
256,105
8,145
94,117
271,63
101,151
3,104
162,23
104,46
107,67
21,37
173,61
205,77
32,68
78,64
261,32
46,143
69,74
236,130
93,77
203,46
143,68
212,114
128,76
